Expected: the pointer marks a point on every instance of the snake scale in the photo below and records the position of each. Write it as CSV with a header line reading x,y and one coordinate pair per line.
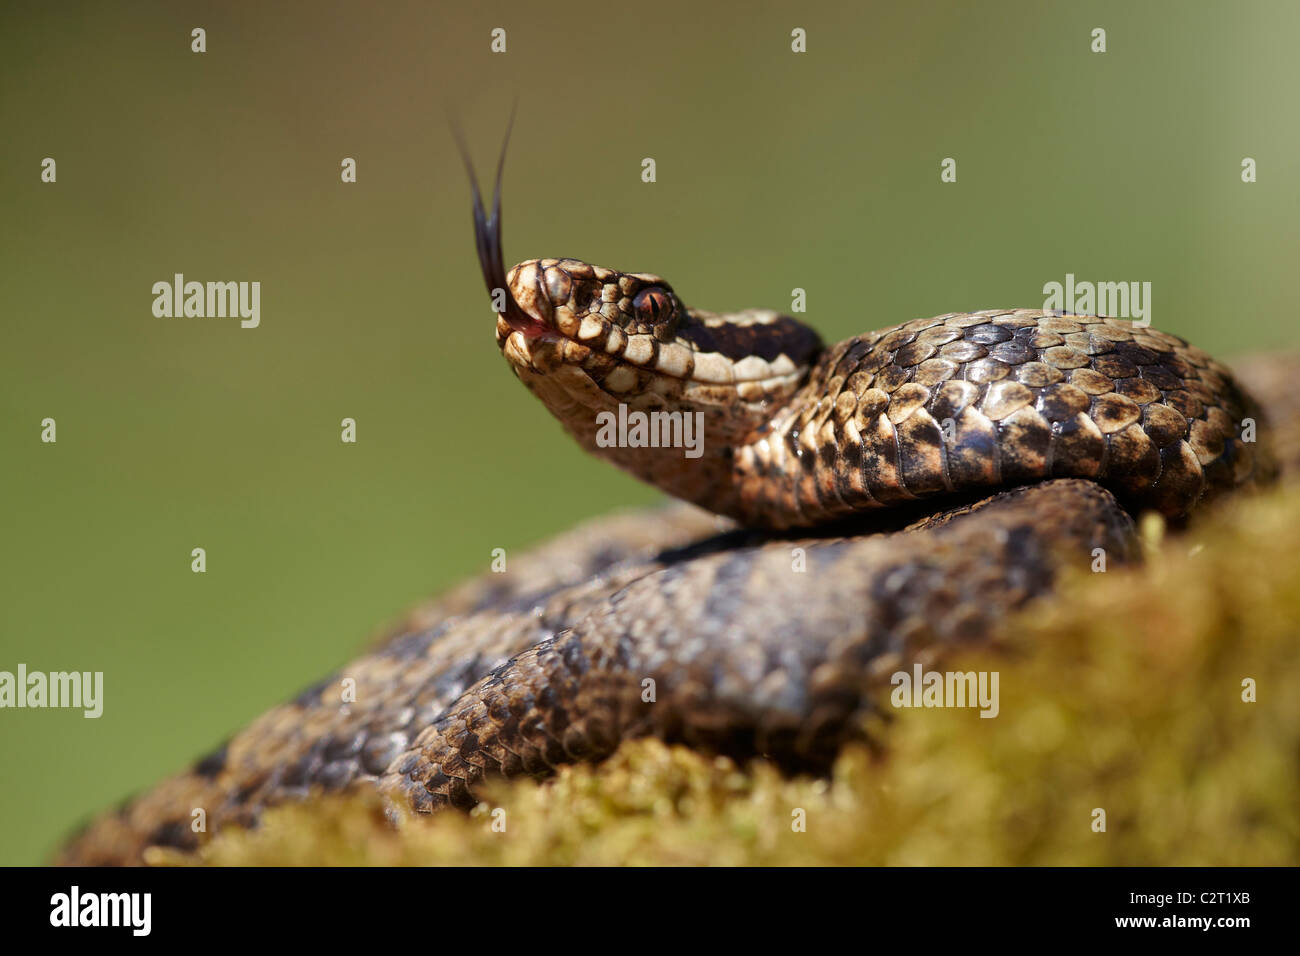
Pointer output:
x,y
932,477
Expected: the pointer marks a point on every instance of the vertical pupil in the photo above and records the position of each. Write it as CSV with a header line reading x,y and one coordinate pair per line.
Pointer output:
x,y
651,304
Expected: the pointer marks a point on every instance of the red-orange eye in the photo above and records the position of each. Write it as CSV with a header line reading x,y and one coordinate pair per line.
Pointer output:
x,y
653,306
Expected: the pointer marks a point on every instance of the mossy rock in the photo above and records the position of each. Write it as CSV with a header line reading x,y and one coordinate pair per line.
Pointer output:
x,y
1124,692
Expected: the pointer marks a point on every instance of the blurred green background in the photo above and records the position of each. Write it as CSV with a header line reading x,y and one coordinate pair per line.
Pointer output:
x,y
775,170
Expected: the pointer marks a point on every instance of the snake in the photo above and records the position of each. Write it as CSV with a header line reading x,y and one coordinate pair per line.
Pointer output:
x,y
843,511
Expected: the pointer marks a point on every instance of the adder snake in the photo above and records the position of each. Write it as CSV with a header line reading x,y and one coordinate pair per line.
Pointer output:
x,y
935,475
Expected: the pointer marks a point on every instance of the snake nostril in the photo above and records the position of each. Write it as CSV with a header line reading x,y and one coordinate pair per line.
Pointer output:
x,y
583,294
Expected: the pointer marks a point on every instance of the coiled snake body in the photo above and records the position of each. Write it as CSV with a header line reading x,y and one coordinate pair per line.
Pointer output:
x,y
932,475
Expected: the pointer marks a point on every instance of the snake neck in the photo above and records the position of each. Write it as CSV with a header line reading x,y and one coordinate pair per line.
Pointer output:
x,y
670,407
682,438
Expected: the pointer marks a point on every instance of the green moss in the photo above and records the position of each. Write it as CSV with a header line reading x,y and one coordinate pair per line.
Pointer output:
x,y
1125,694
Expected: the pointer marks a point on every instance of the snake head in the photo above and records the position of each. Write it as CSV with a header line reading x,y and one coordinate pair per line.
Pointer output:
x,y
592,342
572,299
633,338
628,330
608,346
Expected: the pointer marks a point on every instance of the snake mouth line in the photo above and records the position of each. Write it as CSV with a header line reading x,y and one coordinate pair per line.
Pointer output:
x,y
577,352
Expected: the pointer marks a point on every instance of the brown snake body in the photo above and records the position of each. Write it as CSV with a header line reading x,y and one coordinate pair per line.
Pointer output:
x,y
1004,438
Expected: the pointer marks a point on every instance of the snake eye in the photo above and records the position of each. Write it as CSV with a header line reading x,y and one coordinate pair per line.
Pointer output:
x,y
654,307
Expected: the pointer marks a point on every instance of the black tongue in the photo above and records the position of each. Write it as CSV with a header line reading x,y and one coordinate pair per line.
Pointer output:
x,y
487,229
